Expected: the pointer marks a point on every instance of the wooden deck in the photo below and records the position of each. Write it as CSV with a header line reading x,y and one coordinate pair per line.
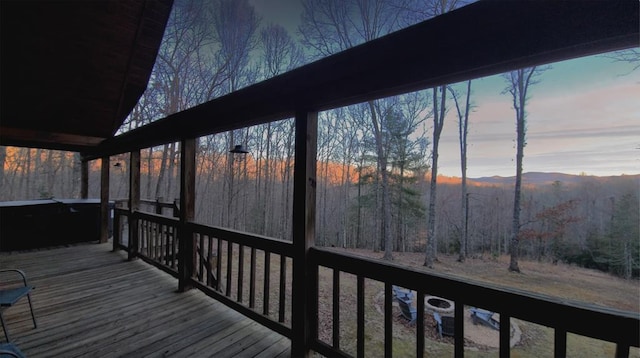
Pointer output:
x,y
90,301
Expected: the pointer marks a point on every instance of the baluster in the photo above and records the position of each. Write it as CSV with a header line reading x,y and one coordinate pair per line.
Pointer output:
x,y
229,266
360,318
458,329
283,278
252,279
219,264
505,335
209,260
336,309
388,320
420,323
559,342
240,272
267,283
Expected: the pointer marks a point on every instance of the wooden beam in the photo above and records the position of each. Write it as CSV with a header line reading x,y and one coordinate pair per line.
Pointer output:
x,y
481,39
104,200
187,213
134,202
84,179
304,320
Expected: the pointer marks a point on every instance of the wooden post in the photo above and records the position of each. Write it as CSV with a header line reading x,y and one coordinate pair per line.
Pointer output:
x,y
187,213
104,200
84,179
303,315
134,202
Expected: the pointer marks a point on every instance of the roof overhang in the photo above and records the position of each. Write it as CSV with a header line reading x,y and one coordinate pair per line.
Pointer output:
x,y
73,70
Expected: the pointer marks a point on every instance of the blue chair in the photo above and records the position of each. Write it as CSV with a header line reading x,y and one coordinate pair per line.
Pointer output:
x,y
408,312
11,295
400,293
10,350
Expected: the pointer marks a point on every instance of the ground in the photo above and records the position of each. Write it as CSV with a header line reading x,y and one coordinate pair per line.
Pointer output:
x,y
528,339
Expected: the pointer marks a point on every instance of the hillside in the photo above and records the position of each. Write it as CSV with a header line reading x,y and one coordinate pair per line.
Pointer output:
x,y
541,178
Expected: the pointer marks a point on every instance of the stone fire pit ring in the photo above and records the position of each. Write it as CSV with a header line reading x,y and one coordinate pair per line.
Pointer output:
x,y
439,304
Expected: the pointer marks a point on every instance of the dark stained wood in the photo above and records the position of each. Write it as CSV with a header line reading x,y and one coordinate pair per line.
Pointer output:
x,y
134,202
360,316
336,309
267,283
560,343
505,335
420,324
304,203
104,199
84,179
484,38
458,327
186,239
90,301
73,70
388,321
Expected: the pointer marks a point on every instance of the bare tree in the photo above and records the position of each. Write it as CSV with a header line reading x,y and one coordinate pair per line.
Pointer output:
x,y
330,26
518,83
463,131
631,56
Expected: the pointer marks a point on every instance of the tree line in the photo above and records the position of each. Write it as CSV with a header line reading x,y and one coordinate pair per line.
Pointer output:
x,y
377,161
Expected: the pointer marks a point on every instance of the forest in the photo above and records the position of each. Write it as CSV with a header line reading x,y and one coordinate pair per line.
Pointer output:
x,y
378,185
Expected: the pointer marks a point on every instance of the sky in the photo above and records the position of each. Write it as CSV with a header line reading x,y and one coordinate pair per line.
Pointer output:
x,y
583,117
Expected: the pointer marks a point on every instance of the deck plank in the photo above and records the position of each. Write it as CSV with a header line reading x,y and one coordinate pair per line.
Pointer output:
x,y
90,301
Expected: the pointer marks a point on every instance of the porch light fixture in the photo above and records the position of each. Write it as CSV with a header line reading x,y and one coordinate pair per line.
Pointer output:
x,y
239,149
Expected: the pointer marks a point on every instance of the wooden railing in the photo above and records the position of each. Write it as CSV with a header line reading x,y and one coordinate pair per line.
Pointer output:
x,y
240,270
243,270
619,327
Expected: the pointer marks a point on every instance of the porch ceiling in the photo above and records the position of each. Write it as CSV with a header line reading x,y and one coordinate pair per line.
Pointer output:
x,y
73,70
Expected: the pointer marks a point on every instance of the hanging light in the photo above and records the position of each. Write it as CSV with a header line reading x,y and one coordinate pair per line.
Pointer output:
x,y
239,149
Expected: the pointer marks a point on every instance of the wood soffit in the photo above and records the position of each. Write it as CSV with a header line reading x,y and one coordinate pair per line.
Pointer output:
x,y
73,70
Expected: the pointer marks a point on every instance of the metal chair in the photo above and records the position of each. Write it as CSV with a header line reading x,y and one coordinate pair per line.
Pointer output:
x,y
10,350
11,295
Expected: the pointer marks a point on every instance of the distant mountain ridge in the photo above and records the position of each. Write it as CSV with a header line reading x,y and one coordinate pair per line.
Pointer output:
x,y
541,178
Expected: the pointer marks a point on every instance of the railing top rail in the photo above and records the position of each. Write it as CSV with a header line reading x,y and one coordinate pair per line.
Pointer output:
x,y
265,243
162,219
582,318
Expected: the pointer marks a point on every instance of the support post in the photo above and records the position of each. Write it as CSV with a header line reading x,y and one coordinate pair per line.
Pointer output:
x,y
104,200
84,179
134,203
187,252
303,315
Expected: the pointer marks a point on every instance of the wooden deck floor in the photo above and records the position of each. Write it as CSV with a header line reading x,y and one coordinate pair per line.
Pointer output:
x,y
91,302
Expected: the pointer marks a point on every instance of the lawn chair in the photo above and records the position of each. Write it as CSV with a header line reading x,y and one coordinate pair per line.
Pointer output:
x,y
9,296
10,350
400,293
408,312
484,317
444,324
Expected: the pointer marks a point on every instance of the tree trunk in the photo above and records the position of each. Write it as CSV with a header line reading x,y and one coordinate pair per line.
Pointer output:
x,y
439,110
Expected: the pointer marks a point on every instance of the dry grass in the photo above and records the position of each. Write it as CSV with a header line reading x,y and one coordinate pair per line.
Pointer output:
x,y
559,280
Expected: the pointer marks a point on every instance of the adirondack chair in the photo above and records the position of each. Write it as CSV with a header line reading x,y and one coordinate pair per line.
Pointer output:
x,y
444,324
484,317
408,312
10,350
10,295
400,293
